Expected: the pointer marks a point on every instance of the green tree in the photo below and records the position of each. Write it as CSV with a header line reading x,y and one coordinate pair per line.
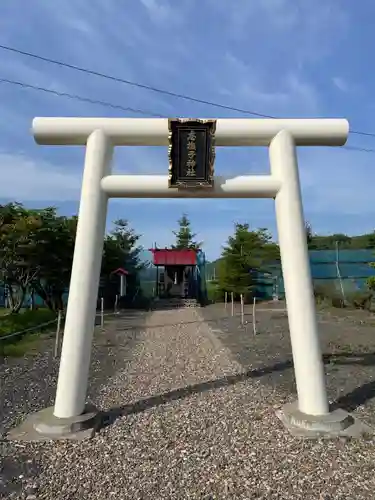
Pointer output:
x,y
36,250
57,239
370,240
121,249
329,242
246,254
370,282
19,251
184,235
36,254
309,233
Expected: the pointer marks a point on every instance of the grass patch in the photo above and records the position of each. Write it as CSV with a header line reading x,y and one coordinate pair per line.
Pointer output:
x,y
18,348
12,323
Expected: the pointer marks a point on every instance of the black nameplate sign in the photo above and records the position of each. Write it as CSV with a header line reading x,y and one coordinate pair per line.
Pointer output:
x,y
191,153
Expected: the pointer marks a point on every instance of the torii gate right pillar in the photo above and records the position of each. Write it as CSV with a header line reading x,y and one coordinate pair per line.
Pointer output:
x,y
309,416
308,366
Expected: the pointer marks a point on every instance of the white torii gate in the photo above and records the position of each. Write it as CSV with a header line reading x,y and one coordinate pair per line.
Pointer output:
x,y
100,135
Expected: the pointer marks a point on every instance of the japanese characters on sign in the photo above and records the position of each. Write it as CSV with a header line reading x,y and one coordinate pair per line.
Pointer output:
x,y
191,153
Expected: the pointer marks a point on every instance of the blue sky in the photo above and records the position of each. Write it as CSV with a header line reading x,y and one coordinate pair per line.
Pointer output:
x,y
277,57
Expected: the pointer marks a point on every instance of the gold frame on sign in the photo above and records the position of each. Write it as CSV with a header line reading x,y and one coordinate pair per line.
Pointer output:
x,y
211,162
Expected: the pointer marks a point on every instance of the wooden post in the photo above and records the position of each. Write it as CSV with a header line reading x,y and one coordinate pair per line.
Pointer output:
x,y
57,338
225,300
232,298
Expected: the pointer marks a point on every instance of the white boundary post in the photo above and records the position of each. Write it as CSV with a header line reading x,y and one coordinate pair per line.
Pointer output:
x,y
232,300
58,330
242,310
254,317
307,356
84,283
102,312
100,135
225,300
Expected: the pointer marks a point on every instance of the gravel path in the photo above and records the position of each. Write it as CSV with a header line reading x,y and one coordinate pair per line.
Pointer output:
x,y
188,421
348,344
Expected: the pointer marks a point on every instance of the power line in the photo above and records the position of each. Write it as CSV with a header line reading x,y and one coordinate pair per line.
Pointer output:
x,y
131,83
118,106
149,87
366,134
80,98
356,148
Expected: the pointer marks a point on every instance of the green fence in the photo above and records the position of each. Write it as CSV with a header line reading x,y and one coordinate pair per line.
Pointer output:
x,y
346,270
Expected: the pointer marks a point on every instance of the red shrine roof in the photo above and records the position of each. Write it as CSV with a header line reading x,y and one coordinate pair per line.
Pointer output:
x,y
120,270
174,257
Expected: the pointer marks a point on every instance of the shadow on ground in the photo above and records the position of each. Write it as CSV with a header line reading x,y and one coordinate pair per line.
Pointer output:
x,y
144,404
348,402
347,340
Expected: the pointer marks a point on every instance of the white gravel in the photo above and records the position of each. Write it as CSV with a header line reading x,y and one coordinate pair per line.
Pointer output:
x,y
186,423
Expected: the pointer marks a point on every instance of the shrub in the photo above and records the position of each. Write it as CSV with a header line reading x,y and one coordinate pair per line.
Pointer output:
x,y
214,294
370,282
361,299
328,294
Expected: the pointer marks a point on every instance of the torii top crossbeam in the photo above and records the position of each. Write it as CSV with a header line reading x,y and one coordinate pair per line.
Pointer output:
x,y
154,131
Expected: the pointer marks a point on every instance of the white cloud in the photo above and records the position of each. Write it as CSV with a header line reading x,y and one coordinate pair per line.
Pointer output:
x,y
158,10
334,183
249,84
252,87
26,179
341,84
258,55
306,30
303,93
23,72
100,35
326,176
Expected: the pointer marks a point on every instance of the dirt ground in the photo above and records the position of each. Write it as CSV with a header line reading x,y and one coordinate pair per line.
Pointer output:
x,y
347,340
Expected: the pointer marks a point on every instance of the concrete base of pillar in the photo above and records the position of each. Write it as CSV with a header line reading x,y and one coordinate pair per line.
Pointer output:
x,y
44,426
337,423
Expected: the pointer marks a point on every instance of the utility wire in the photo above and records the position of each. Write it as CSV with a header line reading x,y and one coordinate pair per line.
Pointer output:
x,y
366,134
118,106
80,98
131,83
356,148
149,87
